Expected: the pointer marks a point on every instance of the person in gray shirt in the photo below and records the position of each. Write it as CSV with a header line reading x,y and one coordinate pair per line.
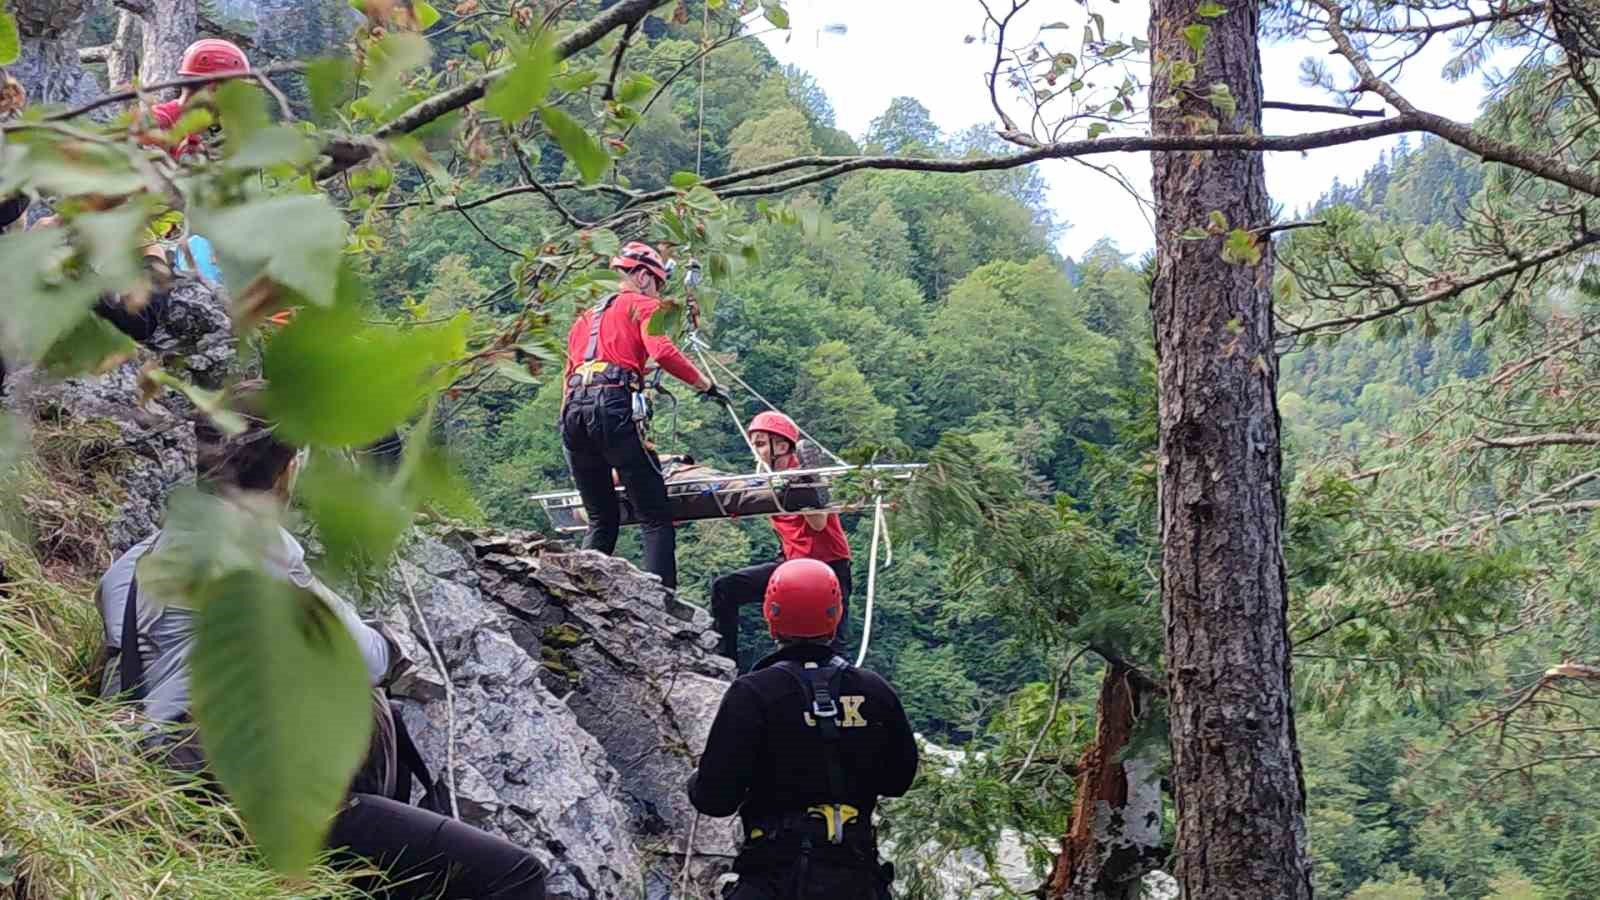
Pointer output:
x,y
253,472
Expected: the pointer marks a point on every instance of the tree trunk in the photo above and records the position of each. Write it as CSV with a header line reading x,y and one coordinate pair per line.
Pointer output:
x,y
168,27
1236,765
122,62
1115,835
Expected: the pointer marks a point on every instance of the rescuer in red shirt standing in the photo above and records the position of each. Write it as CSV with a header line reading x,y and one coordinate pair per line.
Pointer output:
x,y
207,56
602,410
812,535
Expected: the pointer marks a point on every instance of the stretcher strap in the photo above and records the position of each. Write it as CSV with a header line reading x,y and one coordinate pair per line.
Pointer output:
x,y
878,530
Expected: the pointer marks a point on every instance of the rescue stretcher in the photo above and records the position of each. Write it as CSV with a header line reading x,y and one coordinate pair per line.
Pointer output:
x,y
697,492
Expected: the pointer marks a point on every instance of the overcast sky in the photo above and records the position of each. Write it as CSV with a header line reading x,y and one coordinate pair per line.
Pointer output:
x,y
915,48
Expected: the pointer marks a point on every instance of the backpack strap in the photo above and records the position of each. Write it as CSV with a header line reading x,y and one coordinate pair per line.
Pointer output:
x,y
130,659
595,316
821,687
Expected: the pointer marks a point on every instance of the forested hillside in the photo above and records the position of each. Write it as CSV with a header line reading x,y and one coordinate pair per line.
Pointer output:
x,y
1267,560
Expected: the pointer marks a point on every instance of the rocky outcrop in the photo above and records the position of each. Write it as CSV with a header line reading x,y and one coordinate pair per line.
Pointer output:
x,y
582,694
142,451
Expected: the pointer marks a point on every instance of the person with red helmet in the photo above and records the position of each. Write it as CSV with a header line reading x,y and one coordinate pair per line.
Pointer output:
x,y
207,56
801,748
816,535
602,410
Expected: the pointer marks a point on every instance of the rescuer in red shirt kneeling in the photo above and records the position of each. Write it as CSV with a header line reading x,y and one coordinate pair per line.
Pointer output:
x,y
811,535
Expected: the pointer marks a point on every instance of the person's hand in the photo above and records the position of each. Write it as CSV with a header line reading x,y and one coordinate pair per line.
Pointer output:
x,y
716,393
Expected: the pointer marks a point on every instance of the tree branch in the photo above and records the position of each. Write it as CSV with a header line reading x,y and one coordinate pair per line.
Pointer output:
x,y
258,75
1549,439
1463,136
348,152
616,61
999,57
1501,15
1513,371
1319,108
1453,290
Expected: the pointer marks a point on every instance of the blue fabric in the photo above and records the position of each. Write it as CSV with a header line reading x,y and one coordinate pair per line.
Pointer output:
x,y
204,259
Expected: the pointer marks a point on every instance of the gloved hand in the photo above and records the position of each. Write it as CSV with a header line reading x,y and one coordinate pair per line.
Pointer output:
x,y
716,393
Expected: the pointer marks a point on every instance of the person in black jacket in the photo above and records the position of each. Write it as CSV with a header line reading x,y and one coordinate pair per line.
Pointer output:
x,y
802,748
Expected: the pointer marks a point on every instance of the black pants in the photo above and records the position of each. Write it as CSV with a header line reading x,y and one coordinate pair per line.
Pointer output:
x,y
429,855
820,881
598,434
749,585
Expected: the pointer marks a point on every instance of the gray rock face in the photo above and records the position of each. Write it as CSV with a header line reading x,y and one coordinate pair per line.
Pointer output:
x,y
638,670
148,450
582,698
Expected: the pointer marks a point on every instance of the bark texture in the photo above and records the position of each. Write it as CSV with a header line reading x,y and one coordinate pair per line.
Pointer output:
x,y
1236,766
1115,836
167,27
122,63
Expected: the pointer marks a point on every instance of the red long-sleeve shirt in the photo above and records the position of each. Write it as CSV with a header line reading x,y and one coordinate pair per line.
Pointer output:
x,y
623,340
167,115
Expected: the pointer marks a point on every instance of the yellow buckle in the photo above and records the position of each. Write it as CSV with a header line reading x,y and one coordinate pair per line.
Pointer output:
x,y
590,369
837,816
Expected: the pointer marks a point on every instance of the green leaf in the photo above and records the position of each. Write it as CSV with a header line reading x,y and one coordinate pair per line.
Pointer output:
x,y
214,404
92,346
338,382
295,239
390,60
577,143
635,87
359,516
1211,9
242,111
1195,36
515,94
41,306
576,81
1241,248
426,15
775,13
605,242
1194,234
511,370
1183,72
282,701
667,319
329,82
1222,99
277,145
1097,129
1218,221
1055,26
10,40
684,180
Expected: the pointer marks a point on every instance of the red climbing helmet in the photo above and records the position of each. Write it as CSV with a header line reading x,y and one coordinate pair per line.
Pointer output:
x,y
213,56
774,422
803,600
636,254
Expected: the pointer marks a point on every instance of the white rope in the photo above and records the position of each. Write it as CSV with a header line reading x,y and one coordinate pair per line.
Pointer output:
x,y
872,572
449,696
699,348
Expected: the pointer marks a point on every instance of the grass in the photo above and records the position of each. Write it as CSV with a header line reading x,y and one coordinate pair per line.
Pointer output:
x,y
81,814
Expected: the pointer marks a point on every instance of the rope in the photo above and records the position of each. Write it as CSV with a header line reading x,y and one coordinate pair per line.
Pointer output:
x,y
700,131
699,347
872,572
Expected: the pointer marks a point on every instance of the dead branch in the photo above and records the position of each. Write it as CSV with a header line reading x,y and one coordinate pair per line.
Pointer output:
x,y
1550,439
1455,289
1319,108
257,75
